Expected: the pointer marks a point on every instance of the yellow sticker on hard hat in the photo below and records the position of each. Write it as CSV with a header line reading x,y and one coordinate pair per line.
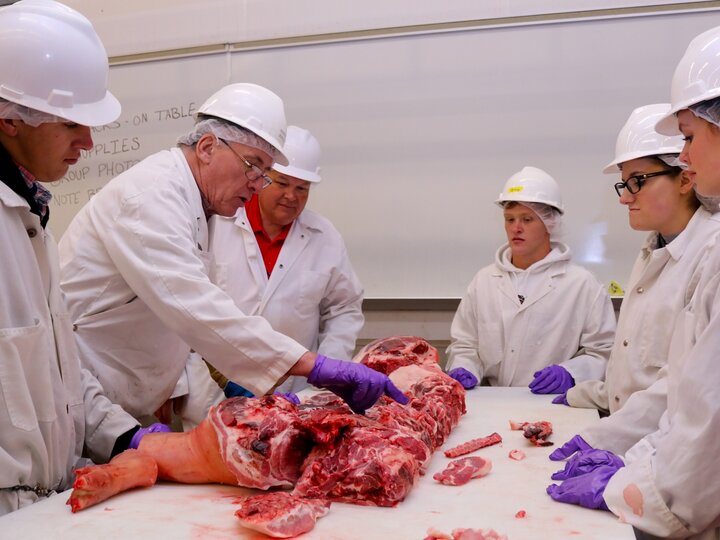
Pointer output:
x,y
515,189
614,289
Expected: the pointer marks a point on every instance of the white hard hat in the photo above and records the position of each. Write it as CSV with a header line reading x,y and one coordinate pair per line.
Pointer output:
x,y
696,78
303,152
638,137
253,107
532,185
51,60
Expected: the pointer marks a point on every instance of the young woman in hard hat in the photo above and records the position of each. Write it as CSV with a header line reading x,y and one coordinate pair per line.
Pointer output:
x,y
515,325
668,485
660,198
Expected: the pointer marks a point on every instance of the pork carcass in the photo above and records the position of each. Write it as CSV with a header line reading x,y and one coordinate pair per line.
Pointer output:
x,y
320,448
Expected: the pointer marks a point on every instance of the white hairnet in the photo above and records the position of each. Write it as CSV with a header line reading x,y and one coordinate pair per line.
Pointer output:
x,y
672,160
228,132
708,110
549,215
32,117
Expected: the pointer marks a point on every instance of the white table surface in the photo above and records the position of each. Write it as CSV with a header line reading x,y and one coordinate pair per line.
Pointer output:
x,y
207,511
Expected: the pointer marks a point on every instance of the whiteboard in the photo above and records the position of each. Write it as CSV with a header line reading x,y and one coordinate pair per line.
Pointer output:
x,y
419,133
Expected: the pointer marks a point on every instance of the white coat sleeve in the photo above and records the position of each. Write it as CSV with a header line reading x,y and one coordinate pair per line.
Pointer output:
x,y
678,485
464,351
637,418
589,395
596,339
104,421
341,317
156,255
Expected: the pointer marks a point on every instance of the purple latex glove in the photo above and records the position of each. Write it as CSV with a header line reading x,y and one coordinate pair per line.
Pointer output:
x,y
561,400
587,461
292,398
464,377
140,433
576,444
358,385
585,490
552,380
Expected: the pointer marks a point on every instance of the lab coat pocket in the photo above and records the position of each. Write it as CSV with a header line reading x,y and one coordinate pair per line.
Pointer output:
x,y
25,364
490,343
312,290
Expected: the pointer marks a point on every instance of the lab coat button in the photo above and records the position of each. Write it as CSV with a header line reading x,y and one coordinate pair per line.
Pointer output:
x,y
281,266
32,233
617,399
74,327
640,290
625,343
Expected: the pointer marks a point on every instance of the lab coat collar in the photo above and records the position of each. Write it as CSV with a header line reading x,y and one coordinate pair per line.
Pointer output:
x,y
194,198
559,253
677,247
11,199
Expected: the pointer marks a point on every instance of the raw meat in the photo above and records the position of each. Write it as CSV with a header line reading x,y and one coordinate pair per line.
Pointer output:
x,y
536,432
387,354
520,514
461,471
96,483
471,446
465,534
320,448
517,455
280,514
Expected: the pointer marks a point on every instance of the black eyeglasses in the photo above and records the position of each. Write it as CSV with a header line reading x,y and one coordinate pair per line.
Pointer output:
x,y
635,183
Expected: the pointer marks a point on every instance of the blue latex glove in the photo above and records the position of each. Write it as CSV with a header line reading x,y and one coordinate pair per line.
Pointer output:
x,y
561,400
587,461
292,398
464,377
235,390
576,444
551,380
358,385
140,433
585,490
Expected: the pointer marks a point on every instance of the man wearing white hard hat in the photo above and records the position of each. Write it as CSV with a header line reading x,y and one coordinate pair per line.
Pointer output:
x,y
53,85
288,264
660,198
668,484
531,318
136,267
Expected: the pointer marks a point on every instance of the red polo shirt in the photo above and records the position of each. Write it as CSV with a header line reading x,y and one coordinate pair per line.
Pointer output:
x,y
269,248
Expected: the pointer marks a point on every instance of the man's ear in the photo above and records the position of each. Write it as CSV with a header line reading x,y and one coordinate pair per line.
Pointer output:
x,y
205,147
9,126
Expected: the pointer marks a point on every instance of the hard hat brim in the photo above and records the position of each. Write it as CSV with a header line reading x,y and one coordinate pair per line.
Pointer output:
x,y
93,114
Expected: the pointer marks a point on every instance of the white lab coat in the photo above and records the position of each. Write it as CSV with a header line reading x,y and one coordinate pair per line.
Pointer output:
x,y
677,468
568,320
50,410
312,295
661,285
136,271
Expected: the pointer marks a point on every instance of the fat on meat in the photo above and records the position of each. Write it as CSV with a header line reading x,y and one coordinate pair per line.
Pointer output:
x,y
465,534
280,514
387,354
460,471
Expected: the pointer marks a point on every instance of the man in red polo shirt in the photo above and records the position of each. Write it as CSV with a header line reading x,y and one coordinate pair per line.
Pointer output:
x,y
288,264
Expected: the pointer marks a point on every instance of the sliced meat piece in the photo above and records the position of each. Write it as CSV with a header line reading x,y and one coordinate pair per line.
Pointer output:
x,y
387,354
280,514
517,455
462,470
536,432
520,514
474,444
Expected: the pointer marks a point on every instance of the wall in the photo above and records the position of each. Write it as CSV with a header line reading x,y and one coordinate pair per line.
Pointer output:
x,y
423,111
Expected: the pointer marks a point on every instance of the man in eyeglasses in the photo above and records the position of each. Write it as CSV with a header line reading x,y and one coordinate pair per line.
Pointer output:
x,y
136,267
288,264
